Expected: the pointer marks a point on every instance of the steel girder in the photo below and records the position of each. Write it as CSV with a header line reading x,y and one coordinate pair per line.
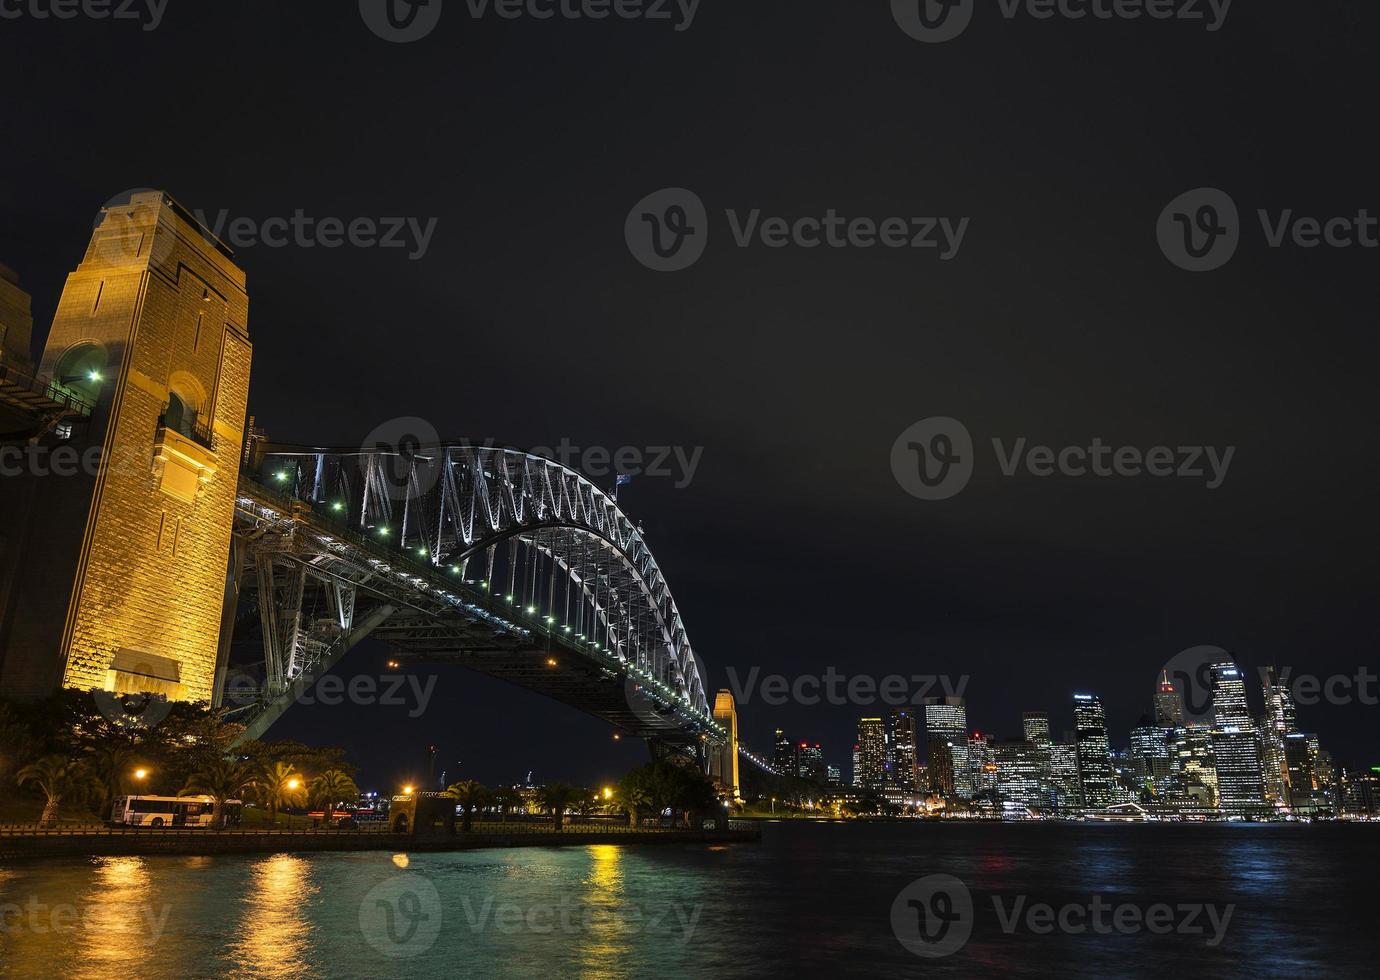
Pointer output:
x,y
357,524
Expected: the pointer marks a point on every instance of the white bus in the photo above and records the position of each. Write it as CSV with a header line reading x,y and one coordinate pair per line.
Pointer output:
x,y
170,811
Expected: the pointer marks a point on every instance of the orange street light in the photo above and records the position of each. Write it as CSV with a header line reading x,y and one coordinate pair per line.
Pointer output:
x,y
140,773
407,791
294,783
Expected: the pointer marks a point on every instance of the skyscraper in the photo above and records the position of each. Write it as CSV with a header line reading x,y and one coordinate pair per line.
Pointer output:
x,y
1094,752
1235,743
1064,786
1149,755
1169,703
1278,723
810,762
1036,725
872,753
903,747
783,758
946,740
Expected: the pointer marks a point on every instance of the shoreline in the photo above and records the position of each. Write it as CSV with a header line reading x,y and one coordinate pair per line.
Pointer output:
x,y
196,843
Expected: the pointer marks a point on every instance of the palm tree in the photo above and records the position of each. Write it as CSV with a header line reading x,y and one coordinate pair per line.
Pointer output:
x,y
470,795
331,787
56,776
559,797
281,785
221,780
506,798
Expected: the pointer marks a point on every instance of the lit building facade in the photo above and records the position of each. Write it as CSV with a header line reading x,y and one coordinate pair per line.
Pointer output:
x,y
1094,750
903,749
872,753
946,741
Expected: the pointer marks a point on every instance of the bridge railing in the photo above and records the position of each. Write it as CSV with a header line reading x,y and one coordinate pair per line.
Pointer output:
x,y
44,387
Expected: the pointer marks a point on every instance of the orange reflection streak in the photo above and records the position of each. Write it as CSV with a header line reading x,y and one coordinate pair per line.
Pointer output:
x,y
602,937
121,919
276,936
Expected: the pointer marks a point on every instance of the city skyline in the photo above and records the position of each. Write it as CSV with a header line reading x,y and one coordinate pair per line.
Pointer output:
x,y
1228,760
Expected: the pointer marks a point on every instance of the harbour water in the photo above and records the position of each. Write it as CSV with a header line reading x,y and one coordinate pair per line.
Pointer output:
x,y
811,899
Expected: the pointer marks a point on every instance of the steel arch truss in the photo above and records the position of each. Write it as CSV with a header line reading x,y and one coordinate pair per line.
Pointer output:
x,y
552,550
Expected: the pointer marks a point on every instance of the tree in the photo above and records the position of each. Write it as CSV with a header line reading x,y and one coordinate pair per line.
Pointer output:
x,y
470,796
634,795
56,776
221,780
16,741
331,787
560,797
507,799
279,784
110,765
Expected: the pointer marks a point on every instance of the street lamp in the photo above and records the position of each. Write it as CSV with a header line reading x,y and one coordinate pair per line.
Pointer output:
x,y
294,783
608,793
140,773
407,791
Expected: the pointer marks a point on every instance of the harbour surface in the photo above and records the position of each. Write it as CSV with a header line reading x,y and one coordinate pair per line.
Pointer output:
x,y
809,900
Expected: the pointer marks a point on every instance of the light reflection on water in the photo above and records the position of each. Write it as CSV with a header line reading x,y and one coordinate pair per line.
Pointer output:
x,y
807,900
274,929
603,948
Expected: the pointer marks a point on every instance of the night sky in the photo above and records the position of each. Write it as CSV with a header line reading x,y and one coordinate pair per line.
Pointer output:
x,y
794,548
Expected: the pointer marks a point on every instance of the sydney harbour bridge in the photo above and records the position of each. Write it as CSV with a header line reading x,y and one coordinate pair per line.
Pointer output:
x,y
201,561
